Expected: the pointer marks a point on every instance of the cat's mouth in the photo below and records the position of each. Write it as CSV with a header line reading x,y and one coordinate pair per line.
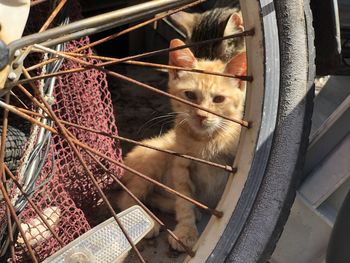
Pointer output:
x,y
203,126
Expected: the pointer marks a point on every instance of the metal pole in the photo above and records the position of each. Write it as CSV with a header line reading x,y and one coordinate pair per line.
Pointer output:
x,y
98,23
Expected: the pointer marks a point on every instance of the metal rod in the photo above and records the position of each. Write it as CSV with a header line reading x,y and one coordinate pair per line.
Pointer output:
x,y
24,116
200,71
86,147
71,143
53,15
31,97
168,189
224,167
69,137
115,178
18,99
227,168
123,32
249,32
47,23
99,23
130,80
151,65
37,2
15,218
2,174
33,205
166,50
147,22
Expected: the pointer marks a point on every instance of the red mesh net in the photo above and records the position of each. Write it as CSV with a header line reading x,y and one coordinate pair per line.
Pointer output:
x,y
68,197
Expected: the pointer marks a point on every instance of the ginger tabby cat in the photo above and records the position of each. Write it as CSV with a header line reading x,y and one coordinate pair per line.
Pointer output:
x,y
196,133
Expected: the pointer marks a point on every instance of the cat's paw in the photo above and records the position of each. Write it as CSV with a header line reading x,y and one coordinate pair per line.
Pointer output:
x,y
187,234
154,232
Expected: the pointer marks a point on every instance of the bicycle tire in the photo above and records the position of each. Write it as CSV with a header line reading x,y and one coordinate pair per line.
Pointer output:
x,y
254,238
256,223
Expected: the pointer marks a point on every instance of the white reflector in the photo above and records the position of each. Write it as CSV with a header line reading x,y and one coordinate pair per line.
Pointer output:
x,y
106,242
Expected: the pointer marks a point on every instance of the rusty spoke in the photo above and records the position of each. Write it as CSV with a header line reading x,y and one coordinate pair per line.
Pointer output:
x,y
155,218
37,2
2,174
140,84
31,97
18,99
137,63
128,30
34,206
70,140
147,22
15,218
145,177
156,52
227,168
24,116
43,28
86,147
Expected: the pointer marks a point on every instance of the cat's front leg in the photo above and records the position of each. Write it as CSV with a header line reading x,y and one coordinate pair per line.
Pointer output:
x,y
186,229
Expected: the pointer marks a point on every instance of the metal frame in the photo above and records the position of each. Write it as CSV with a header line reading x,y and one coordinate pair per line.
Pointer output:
x,y
96,24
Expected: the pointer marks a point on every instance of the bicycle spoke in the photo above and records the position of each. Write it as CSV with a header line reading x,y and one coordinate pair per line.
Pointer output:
x,y
143,64
166,188
130,80
165,50
33,205
86,147
70,140
18,99
42,29
147,22
15,218
155,218
53,15
37,2
2,174
24,116
227,168
224,167
128,30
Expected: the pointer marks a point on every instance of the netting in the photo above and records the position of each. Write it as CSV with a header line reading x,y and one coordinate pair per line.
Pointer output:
x,y
63,192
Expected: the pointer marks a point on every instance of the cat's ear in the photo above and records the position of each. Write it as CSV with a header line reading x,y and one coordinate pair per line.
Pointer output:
x,y
185,21
234,24
180,58
237,66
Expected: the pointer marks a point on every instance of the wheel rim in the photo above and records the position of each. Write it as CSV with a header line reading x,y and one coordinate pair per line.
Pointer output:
x,y
251,139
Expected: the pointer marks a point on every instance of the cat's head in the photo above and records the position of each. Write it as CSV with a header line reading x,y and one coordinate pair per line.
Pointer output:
x,y
215,23
222,95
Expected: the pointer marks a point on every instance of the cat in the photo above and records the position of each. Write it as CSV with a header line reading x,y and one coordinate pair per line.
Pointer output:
x,y
196,133
211,24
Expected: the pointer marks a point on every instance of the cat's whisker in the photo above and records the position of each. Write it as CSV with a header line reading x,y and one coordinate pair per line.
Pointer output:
x,y
181,122
223,127
163,124
157,120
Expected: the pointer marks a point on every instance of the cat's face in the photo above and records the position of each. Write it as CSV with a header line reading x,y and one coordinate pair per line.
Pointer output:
x,y
219,94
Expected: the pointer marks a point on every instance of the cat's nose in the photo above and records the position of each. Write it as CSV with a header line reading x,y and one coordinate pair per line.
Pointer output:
x,y
202,118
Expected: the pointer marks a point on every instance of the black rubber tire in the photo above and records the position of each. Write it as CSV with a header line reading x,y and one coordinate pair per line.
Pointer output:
x,y
15,142
264,205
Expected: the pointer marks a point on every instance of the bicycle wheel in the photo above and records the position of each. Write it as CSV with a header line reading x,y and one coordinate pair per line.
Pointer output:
x,y
258,196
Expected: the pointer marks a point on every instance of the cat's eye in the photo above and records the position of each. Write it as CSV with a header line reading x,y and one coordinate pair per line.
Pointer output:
x,y
218,99
190,95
